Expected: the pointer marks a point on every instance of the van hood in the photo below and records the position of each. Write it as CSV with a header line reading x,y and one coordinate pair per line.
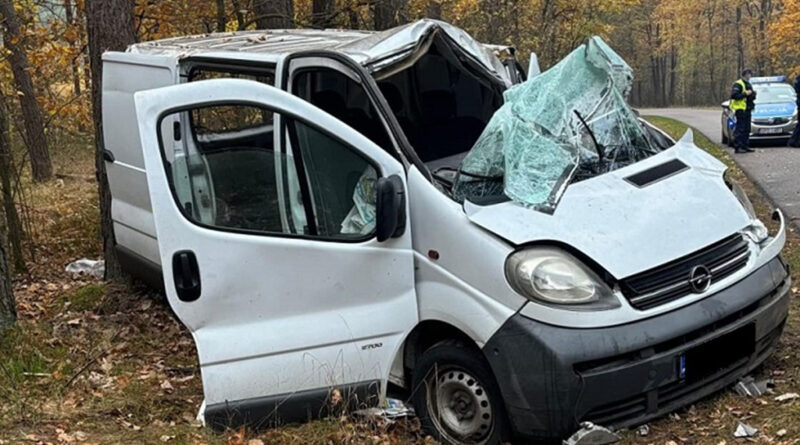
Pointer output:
x,y
628,228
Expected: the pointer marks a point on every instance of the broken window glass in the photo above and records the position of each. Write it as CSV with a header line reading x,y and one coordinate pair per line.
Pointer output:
x,y
570,123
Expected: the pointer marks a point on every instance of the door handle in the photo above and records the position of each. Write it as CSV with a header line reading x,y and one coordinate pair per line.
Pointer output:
x,y
186,275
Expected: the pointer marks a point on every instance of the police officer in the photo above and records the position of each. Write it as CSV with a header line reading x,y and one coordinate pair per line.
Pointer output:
x,y
795,140
742,103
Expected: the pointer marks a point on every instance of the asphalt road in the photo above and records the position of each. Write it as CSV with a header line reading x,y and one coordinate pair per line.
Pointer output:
x,y
773,167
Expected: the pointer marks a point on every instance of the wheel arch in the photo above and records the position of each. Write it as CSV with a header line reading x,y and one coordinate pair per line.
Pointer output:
x,y
425,335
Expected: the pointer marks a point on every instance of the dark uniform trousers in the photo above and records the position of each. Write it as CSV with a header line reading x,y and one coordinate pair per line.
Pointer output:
x,y
741,135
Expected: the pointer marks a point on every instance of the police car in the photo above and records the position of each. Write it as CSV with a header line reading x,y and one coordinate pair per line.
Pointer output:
x,y
775,115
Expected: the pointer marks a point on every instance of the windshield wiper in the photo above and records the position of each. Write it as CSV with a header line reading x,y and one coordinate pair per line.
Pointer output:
x,y
597,146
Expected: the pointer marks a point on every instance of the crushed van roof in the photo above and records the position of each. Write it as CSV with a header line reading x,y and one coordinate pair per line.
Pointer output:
x,y
369,48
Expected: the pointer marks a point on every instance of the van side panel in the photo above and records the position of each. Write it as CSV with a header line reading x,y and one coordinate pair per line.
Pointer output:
x,y
123,75
465,285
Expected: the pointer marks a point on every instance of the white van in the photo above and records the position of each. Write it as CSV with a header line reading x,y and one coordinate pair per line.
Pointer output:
x,y
298,189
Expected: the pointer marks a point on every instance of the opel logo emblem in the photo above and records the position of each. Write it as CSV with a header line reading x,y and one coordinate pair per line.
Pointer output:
x,y
699,279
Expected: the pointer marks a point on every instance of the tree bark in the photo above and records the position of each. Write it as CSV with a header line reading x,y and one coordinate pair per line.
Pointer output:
x,y
12,221
274,14
36,141
8,310
321,11
241,23
111,28
390,13
353,18
70,18
221,18
739,42
435,10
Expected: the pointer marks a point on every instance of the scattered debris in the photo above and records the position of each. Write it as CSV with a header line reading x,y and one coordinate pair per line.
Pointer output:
x,y
749,387
744,430
781,433
85,266
591,434
394,409
643,430
787,397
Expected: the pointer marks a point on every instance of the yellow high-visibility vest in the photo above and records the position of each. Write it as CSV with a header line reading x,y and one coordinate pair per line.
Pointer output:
x,y
739,104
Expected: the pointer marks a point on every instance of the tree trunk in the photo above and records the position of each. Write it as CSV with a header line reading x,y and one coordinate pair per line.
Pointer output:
x,y
241,23
8,310
673,68
353,18
221,20
739,41
111,28
76,79
274,14
712,82
321,11
10,209
389,13
435,10
31,112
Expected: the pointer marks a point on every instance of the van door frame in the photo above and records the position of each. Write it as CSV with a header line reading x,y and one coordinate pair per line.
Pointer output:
x,y
406,153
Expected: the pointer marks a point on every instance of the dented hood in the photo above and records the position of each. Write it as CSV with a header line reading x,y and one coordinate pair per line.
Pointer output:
x,y
628,228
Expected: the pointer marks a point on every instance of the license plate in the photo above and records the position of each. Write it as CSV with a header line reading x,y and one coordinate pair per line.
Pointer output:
x,y
712,357
770,131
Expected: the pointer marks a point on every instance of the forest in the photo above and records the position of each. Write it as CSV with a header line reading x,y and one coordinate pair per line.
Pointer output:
x,y
80,350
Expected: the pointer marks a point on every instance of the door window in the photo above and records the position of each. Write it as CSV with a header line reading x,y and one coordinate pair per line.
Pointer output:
x,y
228,174
344,98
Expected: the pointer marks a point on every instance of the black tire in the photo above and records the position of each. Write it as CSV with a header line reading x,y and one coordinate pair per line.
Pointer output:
x,y
449,365
725,138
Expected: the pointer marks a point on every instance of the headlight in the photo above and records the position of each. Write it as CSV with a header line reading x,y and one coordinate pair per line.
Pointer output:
x,y
740,195
756,231
550,275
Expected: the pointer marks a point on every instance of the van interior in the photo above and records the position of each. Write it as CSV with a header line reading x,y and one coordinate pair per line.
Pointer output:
x,y
441,102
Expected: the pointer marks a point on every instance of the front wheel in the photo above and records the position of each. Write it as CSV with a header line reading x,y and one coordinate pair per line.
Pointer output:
x,y
725,137
456,397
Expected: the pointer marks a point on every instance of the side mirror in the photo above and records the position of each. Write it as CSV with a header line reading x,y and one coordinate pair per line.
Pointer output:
x,y
390,215
533,67
726,104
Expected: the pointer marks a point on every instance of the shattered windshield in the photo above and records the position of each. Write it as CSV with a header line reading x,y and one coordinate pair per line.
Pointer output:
x,y
570,123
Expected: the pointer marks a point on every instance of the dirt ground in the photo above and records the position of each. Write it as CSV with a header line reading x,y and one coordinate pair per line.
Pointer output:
x,y
99,363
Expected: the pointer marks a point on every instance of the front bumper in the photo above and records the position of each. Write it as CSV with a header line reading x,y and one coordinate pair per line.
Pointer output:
x,y
763,132
552,377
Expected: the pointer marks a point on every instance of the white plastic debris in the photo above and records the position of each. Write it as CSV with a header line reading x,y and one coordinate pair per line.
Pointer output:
x,y
749,387
85,266
393,409
744,430
643,430
787,397
591,434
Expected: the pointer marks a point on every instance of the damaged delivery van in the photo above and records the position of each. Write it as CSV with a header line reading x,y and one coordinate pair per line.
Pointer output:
x,y
338,214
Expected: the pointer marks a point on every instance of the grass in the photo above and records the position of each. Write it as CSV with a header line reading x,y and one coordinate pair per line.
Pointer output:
x,y
85,298
103,363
